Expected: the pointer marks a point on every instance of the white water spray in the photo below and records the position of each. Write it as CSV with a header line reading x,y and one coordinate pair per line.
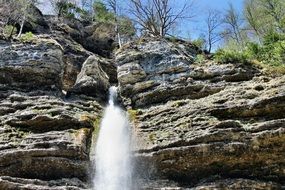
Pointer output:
x,y
113,161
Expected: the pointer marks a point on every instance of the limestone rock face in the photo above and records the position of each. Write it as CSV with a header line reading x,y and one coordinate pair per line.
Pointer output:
x,y
203,121
74,37
92,80
45,136
155,71
35,22
196,125
97,38
236,132
31,65
226,184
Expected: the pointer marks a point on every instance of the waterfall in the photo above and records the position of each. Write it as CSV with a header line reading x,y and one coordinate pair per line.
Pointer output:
x,y
113,167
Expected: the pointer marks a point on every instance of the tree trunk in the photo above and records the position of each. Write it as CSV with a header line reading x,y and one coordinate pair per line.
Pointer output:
x,y
210,47
22,26
119,39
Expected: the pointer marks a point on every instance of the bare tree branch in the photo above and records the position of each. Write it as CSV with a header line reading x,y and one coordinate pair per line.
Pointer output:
x,y
157,17
213,22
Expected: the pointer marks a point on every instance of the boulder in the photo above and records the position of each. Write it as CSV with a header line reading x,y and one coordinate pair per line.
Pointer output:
x,y
99,38
74,55
92,80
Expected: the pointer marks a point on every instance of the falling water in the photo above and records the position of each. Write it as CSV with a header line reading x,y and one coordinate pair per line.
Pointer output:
x,y
113,162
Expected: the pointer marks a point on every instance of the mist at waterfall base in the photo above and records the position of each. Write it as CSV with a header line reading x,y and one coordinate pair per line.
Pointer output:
x,y
113,165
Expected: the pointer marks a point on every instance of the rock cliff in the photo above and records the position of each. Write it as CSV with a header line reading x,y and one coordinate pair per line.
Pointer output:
x,y
52,94
204,121
197,125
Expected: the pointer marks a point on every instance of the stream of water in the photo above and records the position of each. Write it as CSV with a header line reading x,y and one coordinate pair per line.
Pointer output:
x,y
112,160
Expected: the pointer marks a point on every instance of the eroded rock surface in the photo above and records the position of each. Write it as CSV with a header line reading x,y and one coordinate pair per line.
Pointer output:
x,y
226,184
198,126
32,65
45,136
155,71
195,120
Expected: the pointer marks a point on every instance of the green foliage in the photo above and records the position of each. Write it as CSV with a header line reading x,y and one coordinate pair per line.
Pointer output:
x,y
126,26
200,58
272,52
132,114
231,56
9,30
200,43
273,37
27,37
270,55
69,10
263,16
102,14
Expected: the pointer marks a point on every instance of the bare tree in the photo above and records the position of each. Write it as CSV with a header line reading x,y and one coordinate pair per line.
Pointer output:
x,y
252,17
158,16
233,22
213,22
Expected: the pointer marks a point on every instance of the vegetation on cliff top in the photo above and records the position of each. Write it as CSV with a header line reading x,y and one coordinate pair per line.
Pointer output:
x,y
257,35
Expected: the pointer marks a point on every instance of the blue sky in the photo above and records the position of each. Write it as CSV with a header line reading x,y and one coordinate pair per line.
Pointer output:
x,y
192,28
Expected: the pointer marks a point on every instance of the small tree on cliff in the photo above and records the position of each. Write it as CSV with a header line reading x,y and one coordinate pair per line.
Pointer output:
x,y
13,12
108,13
213,23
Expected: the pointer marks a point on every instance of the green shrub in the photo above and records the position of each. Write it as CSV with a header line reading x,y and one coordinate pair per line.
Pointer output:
x,y
200,43
271,53
253,49
273,37
270,56
27,37
200,58
102,14
231,56
9,30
